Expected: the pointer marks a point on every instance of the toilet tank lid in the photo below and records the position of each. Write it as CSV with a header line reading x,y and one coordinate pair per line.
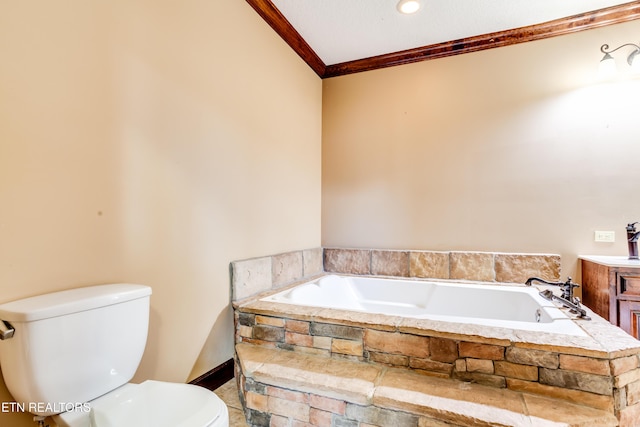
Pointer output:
x,y
71,301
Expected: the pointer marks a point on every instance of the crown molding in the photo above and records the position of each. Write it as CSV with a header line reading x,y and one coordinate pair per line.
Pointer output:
x,y
581,22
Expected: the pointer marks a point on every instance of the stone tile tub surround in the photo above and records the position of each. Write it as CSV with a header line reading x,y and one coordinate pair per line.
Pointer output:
x,y
252,276
256,275
601,371
476,266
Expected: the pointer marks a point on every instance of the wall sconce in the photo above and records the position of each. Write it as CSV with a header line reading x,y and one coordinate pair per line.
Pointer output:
x,y
608,64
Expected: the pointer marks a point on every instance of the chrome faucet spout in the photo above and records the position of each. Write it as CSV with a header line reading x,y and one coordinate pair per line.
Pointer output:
x,y
530,280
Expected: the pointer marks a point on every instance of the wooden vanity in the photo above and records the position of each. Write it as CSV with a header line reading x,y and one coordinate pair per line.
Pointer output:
x,y
611,288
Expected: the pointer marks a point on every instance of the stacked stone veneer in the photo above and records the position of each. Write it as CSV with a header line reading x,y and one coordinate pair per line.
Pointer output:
x,y
282,388
480,266
586,371
593,378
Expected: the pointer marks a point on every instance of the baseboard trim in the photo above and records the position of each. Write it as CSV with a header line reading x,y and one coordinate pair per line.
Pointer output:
x,y
216,377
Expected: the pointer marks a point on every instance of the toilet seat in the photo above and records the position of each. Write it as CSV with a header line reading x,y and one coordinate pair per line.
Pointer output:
x,y
151,403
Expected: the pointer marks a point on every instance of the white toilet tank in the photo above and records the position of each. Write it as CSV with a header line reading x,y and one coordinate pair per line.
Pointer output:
x,y
72,346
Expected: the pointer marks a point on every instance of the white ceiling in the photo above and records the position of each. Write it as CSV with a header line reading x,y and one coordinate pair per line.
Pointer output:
x,y
346,30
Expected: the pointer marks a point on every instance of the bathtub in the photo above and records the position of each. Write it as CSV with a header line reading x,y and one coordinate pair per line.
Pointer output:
x,y
503,306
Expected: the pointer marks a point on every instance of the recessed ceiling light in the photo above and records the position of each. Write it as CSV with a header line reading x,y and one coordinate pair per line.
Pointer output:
x,y
408,6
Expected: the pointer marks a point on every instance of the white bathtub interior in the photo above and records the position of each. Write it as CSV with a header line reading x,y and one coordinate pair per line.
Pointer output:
x,y
514,307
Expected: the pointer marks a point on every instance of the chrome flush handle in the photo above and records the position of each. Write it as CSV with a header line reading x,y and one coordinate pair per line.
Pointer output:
x,y
6,330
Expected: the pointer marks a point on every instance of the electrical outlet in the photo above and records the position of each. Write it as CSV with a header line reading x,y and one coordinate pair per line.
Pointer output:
x,y
605,236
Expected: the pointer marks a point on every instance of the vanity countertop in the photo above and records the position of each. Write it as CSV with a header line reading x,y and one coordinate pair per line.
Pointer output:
x,y
611,261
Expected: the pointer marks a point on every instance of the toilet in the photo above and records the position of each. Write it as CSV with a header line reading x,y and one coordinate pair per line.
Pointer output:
x,y
70,355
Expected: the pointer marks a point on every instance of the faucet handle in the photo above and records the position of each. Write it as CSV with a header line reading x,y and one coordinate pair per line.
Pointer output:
x,y
567,289
631,227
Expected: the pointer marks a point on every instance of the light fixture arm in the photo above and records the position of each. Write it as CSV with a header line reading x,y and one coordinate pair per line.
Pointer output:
x,y
605,49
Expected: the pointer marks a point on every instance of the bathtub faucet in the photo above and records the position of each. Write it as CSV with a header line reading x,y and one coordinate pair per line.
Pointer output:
x,y
567,287
632,240
567,299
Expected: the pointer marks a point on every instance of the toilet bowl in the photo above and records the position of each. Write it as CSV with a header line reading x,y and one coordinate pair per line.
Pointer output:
x,y
71,354
153,404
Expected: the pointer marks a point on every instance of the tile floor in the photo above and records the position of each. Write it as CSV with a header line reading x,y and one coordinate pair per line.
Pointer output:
x,y
228,392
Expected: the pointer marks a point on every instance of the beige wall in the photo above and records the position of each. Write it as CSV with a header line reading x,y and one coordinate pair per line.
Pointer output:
x,y
155,142
152,142
516,149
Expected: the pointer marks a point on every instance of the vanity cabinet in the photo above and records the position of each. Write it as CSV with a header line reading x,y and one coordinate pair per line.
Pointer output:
x,y
611,288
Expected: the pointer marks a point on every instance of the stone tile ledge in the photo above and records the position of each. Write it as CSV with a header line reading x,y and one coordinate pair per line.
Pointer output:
x,y
369,391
